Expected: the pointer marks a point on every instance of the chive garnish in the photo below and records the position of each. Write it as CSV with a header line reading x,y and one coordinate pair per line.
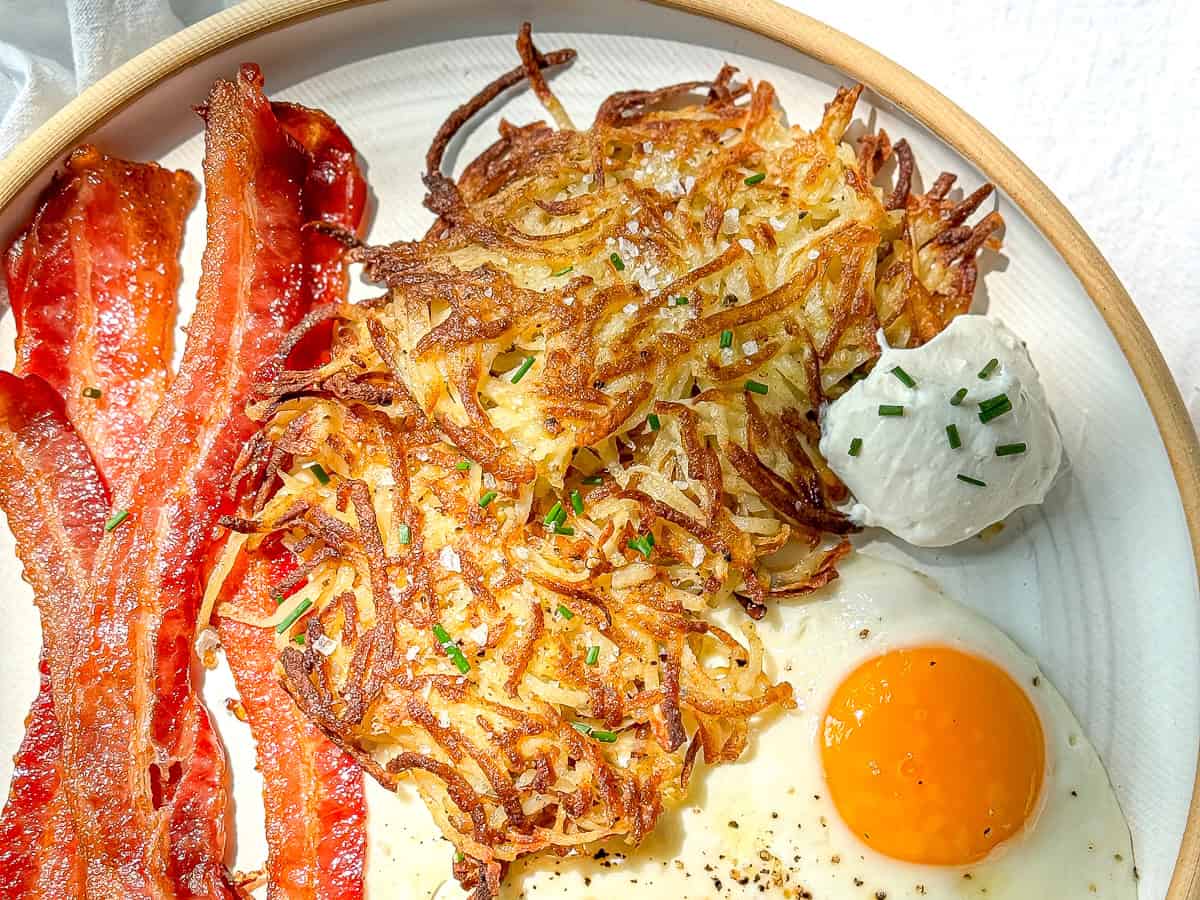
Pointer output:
x,y
986,372
755,179
654,422
451,649
616,262
116,519
726,339
756,387
855,447
458,856
487,498
593,655
405,534
299,639
319,473
561,272
577,503
552,516
593,479
564,613
278,598
643,544
463,465
994,407
290,618
564,529
681,301
604,737
888,409
526,365
969,480
904,377
1011,449
958,397
91,393
583,728
952,436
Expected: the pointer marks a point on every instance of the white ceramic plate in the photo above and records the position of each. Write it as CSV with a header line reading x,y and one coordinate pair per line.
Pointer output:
x,y
1099,584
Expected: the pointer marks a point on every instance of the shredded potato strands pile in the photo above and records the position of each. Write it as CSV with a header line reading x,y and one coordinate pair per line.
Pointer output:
x,y
584,415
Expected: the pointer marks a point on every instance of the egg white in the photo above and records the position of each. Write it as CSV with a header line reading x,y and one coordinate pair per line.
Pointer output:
x,y
765,827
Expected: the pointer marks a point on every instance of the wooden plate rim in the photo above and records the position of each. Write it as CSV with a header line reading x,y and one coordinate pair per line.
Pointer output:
x,y
812,38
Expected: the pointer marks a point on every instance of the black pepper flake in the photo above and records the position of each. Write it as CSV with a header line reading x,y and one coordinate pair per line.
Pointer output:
x,y
733,824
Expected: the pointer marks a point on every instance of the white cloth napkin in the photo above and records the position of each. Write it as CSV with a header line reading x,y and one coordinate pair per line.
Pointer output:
x,y
1098,97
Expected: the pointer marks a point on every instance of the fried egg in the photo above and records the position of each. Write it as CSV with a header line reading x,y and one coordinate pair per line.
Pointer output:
x,y
928,756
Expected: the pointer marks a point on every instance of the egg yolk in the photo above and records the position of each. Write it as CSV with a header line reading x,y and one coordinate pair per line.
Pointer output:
x,y
932,756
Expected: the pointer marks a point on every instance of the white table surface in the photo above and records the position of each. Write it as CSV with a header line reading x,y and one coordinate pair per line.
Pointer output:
x,y
1100,99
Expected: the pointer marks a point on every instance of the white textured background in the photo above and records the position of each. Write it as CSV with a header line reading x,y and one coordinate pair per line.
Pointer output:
x,y
1101,99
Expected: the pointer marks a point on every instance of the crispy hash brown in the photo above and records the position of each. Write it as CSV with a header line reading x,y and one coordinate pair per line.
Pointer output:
x,y
584,415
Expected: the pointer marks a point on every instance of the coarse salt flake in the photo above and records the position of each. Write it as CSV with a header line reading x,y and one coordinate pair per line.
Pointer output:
x,y
630,308
449,559
814,254
747,244
749,348
731,222
325,645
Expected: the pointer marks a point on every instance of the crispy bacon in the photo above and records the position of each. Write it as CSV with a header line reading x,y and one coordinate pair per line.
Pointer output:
x,y
129,690
335,194
92,282
312,790
56,505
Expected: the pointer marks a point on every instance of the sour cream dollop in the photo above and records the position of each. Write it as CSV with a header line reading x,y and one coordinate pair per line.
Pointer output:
x,y
904,472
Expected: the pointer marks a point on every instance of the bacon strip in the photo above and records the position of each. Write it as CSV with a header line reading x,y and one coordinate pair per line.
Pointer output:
x,y
56,504
312,791
93,281
128,686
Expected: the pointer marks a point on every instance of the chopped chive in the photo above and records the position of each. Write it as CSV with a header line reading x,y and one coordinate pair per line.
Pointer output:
x,y
91,393
451,649
654,422
616,262
755,179
560,518
681,301
643,544
994,408
526,365
582,727
969,480
278,598
904,377
855,447
405,534
604,737
1011,449
458,856
319,473
888,409
552,516
726,339
958,397
593,655
577,503
290,618
116,519
487,498
299,639
952,437
463,465
564,613
986,372
593,479
564,529
756,387
561,272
